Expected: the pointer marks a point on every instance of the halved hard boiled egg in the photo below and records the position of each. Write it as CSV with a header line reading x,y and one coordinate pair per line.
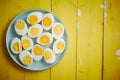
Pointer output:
x,y
37,51
20,27
45,38
58,30
34,17
16,46
27,42
49,56
59,46
35,30
26,57
47,21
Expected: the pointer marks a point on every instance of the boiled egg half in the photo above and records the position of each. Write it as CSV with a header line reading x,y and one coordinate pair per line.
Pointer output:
x,y
34,17
35,30
27,42
49,56
47,21
26,57
37,51
45,38
16,46
58,30
20,27
59,46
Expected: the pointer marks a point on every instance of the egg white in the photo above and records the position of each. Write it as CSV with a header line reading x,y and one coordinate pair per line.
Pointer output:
x,y
23,31
38,14
31,42
55,49
50,15
23,54
45,33
36,57
56,36
38,26
53,58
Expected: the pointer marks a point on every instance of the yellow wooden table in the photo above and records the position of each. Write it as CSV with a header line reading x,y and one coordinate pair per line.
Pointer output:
x,y
93,28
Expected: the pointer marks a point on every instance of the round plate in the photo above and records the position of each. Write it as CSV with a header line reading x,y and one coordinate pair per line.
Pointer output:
x,y
36,66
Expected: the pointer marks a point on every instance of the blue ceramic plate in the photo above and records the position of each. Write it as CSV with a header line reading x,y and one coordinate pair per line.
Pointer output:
x,y
36,66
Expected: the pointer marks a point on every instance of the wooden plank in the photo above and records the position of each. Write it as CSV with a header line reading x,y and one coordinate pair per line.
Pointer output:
x,y
3,53
4,57
90,33
40,75
9,68
112,41
66,68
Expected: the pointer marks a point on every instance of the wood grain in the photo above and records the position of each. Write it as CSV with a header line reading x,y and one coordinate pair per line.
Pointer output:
x,y
40,75
112,41
89,43
66,68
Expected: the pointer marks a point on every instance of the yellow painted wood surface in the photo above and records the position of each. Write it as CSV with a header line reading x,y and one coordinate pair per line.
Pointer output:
x,y
10,70
43,75
112,41
92,40
66,68
89,43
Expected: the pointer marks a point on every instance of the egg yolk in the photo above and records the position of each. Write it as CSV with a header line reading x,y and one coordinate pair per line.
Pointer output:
x,y
44,39
34,31
38,50
47,21
58,29
33,19
60,45
20,24
47,55
16,46
26,43
27,60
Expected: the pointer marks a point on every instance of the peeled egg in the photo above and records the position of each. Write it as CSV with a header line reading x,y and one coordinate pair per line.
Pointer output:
x,y
37,51
20,27
59,46
45,38
16,46
58,30
49,56
34,17
47,21
26,57
27,42
35,30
